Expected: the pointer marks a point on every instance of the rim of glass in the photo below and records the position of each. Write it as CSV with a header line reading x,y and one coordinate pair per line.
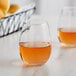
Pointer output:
x,y
69,9
37,20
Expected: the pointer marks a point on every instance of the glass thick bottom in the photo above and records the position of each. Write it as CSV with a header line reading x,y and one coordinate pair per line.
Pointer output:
x,y
32,64
64,45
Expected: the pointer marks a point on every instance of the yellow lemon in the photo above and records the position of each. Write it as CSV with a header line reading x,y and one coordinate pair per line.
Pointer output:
x,y
13,8
1,13
4,5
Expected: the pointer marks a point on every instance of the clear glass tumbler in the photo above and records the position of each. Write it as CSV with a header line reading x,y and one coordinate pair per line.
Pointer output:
x,y
67,27
34,43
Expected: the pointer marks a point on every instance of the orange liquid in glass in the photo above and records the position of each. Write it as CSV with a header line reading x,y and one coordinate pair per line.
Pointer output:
x,y
67,35
35,52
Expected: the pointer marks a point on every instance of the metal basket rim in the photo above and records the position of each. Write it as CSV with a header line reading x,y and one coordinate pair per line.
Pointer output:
x,y
18,13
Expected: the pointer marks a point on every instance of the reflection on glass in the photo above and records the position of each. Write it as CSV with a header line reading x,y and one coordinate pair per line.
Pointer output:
x,y
35,71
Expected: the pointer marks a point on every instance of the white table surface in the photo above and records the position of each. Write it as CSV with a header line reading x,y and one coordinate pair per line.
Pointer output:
x,y
62,62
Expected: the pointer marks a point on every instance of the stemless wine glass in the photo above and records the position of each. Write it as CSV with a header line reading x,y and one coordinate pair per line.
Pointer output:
x,y
34,43
67,27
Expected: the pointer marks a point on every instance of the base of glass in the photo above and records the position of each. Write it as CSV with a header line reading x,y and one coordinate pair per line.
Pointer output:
x,y
32,65
64,45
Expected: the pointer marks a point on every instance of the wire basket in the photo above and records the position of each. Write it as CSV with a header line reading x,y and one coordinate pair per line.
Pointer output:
x,y
13,23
